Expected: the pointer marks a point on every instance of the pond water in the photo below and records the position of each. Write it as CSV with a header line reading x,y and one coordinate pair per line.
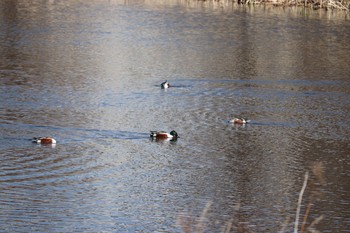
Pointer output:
x,y
88,73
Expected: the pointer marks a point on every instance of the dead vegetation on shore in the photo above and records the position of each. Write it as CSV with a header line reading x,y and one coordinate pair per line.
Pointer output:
x,y
309,194
314,4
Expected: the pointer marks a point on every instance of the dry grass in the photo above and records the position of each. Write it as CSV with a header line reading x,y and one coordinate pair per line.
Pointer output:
x,y
311,188
315,4
187,223
317,181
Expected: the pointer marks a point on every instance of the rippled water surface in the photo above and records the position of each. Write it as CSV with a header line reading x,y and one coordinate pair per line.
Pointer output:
x,y
88,73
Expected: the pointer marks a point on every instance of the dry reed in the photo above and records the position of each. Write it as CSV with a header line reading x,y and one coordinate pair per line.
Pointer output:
x,y
314,4
314,182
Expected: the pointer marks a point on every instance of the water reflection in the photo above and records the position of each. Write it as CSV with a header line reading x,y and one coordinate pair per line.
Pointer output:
x,y
88,74
171,140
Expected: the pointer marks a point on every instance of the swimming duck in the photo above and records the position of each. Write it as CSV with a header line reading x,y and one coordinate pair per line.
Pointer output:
x,y
45,140
240,121
165,85
164,135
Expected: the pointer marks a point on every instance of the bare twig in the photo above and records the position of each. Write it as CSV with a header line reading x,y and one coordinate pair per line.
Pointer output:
x,y
296,224
200,223
305,217
311,227
337,5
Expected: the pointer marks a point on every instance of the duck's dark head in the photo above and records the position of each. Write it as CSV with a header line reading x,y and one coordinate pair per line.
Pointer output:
x,y
174,134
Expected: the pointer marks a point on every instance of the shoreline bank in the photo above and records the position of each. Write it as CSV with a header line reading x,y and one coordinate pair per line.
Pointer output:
x,y
343,5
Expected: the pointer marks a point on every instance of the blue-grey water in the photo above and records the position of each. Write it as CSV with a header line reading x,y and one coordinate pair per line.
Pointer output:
x,y
88,73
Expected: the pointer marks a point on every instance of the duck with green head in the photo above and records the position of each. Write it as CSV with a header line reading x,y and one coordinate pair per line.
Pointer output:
x,y
165,85
162,135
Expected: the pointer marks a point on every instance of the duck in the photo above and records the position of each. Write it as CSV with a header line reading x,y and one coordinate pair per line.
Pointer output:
x,y
44,140
240,121
164,135
165,85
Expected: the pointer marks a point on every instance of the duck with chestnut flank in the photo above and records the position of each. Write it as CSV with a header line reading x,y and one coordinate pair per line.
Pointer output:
x,y
240,121
164,135
44,140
